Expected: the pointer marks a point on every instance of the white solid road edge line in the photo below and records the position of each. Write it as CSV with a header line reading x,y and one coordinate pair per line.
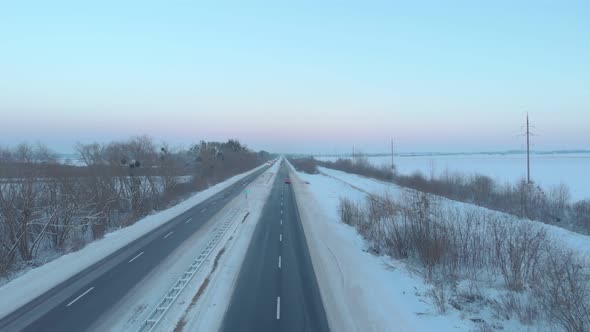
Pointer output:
x,y
79,297
278,307
167,235
136,257
189,220
279,262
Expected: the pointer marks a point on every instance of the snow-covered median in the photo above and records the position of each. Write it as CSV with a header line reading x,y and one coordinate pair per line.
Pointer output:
x,y
360,291
35,282
207,309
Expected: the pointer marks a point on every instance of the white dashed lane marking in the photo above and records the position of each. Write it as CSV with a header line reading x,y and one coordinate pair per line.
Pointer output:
x,y
136,257
79,297
167,235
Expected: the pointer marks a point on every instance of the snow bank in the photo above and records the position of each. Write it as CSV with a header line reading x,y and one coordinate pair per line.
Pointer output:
x,y
35,282
360,291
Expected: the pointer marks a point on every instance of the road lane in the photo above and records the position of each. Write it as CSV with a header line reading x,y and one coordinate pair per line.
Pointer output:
x,y
64,309
271,296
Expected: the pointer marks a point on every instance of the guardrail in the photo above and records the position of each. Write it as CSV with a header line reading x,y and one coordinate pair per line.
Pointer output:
x,y
168,300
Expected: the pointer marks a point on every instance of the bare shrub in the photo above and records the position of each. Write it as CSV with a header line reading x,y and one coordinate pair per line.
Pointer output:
x,y
350,212
581,214
439,297
519,250
430,239
359,165
306,165
450,245
564,291
399,243
518,305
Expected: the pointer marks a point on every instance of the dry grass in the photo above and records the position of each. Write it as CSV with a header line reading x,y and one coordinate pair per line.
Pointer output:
x,y
448,245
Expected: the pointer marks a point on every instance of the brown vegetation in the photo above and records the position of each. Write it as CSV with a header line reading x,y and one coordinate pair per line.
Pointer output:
x,y
450,245
48,208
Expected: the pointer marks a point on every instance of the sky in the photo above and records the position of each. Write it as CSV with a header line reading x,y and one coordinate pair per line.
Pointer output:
x,y
297,76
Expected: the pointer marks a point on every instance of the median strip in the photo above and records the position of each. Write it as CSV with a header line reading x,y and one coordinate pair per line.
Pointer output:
x,y
170,297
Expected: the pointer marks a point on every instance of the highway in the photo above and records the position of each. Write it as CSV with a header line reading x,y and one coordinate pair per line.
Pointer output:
x,y
77,303
276,288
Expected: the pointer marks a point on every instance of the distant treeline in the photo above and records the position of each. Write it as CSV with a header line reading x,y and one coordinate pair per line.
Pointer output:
x,y
522,199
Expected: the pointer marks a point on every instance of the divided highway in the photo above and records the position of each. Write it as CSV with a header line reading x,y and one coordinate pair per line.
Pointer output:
x,y
78,302
277,288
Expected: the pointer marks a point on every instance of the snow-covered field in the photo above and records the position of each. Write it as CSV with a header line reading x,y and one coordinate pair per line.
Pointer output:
x,y
546,169
37,281
364,292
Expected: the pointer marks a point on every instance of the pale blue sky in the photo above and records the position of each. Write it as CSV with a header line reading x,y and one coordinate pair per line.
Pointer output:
x,y
308,76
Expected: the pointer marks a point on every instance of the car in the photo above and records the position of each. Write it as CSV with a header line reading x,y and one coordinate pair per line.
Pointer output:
x,y
288,181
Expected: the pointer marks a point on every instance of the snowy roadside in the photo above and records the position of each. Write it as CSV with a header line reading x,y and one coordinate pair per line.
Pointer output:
x,y
130,313
37,281
360,291
568,239
382,284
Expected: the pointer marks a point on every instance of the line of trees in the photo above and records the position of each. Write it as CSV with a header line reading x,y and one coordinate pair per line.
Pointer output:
x,y
48,208
523,199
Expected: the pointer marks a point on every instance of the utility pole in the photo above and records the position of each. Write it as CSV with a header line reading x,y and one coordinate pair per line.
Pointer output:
x,y
528,151
392,165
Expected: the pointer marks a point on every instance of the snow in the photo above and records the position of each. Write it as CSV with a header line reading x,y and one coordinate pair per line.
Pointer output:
x,y
360,291
37,281
364,292
546,169
568,239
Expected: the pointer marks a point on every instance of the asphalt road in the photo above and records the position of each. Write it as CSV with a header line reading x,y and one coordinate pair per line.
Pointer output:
x,y
277,288
78,302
